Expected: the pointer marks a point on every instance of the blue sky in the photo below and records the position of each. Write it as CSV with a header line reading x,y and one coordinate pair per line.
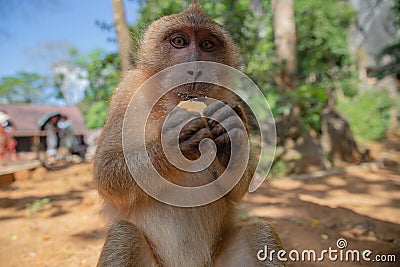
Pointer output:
x,y
36,33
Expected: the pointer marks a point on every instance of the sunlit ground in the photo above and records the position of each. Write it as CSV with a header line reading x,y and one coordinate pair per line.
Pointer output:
x,y
52,218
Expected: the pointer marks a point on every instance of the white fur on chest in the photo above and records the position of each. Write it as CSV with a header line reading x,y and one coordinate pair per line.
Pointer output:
x,y
182,236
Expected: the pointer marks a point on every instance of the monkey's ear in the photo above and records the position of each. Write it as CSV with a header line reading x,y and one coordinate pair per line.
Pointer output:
x,y
195,4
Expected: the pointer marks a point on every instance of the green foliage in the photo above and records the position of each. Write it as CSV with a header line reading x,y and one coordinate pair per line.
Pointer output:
x,y
103,74
102,71
310,99
324,61
322,48
390,54
368,114
154,9
279,168
396,12
95,113
258,106
24,87
37,205
251,33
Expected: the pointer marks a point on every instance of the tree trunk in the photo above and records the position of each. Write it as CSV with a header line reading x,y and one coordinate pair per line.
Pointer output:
x,y
301,150
290,131
123,36
285,43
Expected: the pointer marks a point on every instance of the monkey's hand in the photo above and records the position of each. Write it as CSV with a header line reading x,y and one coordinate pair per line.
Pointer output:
x,y
232,132
194,128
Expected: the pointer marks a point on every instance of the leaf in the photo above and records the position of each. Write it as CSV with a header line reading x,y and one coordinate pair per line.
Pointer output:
x,y
45,238
314,223
324,236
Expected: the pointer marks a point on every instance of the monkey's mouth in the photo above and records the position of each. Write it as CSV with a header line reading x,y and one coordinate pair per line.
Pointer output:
x,y
185,97
193,90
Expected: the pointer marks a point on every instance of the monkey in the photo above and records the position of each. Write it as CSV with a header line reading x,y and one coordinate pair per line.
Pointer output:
x,y
144,231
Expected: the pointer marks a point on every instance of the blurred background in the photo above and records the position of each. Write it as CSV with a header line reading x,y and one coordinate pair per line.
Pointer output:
x,y
330,70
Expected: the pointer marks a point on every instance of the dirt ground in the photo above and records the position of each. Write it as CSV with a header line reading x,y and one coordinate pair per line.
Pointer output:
x,y
52,218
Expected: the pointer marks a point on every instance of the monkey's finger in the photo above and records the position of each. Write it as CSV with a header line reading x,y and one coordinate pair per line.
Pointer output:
x,y
217,130
211,123
209,110
179,109
192,127
222,114
234,135
194,141
222,139
226,125
178,116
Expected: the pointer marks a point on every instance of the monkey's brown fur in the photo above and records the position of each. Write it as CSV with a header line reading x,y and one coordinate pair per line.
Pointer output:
x,y
144,231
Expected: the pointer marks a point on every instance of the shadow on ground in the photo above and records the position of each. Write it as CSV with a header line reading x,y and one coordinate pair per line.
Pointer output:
x,y
361,206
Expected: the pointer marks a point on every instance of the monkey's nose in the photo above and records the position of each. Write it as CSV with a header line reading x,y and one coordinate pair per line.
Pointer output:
x,y
196,74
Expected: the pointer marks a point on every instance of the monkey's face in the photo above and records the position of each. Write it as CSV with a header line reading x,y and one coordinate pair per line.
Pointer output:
x,y
189,44
188,36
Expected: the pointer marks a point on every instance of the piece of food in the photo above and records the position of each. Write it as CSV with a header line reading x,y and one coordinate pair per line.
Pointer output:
x,y
193,105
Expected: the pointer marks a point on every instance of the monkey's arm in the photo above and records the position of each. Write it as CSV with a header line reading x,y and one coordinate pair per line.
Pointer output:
x,y
126,246
111,174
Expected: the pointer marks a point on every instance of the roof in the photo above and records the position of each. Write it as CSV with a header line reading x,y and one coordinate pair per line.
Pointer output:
x,y
25,117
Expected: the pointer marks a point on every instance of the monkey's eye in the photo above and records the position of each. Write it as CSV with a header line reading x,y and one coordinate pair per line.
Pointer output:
x,y
179,42
207,45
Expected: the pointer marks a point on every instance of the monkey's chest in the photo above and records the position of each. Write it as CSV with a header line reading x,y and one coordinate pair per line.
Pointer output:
x,y
180,236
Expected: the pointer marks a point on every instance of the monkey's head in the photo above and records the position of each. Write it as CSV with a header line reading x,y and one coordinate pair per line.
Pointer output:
x,y
188,36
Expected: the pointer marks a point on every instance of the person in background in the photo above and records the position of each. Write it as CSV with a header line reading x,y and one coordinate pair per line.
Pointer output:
x,y
7,141
67,138
65,133
52,138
